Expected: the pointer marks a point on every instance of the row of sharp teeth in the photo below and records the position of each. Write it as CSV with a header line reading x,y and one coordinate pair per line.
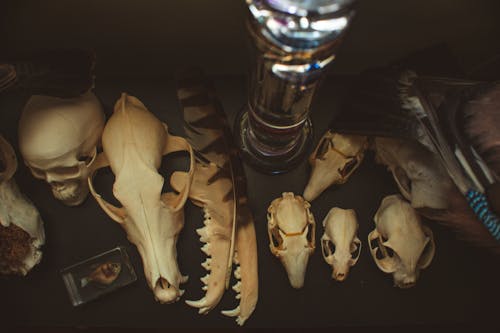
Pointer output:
x,y
202,232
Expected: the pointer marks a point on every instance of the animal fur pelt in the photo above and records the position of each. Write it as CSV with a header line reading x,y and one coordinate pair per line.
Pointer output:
x,y
451,117
60,73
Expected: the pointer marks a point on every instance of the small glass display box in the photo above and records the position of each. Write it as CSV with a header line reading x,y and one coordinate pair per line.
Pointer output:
x,y
99,275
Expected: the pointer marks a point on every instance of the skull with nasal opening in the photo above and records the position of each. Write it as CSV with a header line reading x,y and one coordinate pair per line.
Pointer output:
x,y
134,141
291,230
333,161
58,140
400,244
340,244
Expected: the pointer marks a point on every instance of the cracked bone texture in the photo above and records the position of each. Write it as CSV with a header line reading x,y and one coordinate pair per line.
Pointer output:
x,y
400,244
333,161
134,141
340,244
291,229
17,210
58,140
419,175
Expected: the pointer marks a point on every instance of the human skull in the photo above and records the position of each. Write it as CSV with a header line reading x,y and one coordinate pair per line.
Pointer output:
x,y
134,142
291,230
58,140
419,175
340,243
333,161
21,228
400,244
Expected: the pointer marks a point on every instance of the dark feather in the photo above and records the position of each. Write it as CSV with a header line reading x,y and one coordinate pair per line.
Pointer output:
x,y
209,133
61,73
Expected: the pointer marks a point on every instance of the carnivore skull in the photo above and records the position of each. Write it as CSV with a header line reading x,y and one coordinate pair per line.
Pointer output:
x,y
419,175
291,229
21,228
333,161
400,244
58,140
340,243
134,141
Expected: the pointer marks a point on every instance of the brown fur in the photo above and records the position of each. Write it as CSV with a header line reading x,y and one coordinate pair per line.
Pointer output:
x,y
482,121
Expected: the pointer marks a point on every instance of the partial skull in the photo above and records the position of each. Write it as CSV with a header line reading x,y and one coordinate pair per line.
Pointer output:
x,y
21,228
400,244
291,230
420,177
340,243
58,139
333,161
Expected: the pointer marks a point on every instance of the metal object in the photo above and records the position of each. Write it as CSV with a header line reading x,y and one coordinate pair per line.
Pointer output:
x,y
294,43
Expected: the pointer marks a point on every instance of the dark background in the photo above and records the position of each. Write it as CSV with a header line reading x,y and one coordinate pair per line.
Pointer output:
x,y
139,45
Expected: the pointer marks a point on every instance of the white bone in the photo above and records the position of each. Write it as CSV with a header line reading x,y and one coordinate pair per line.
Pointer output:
x,y
417,172
341,227
134,141
58,139
291,225
333,161
398,228
19,212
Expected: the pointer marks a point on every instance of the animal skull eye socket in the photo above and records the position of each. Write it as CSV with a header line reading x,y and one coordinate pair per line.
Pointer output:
x,y
323,147
3,166
383,251
328,248
310,235
276,239
355,254
348,167
427,254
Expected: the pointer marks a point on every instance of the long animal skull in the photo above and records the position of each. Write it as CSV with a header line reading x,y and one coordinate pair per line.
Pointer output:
x,y
333,161
402,244
418,174
21,228
340,243
134,141
58,139
291,229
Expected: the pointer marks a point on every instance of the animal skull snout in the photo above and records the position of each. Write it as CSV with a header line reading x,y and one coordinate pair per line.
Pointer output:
x,y
291,229
340,245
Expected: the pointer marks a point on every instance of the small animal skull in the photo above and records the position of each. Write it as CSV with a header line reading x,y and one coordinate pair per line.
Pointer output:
x,y
291,230
334,160
340,244
21,228
58,140
134,141
400,244
419,175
